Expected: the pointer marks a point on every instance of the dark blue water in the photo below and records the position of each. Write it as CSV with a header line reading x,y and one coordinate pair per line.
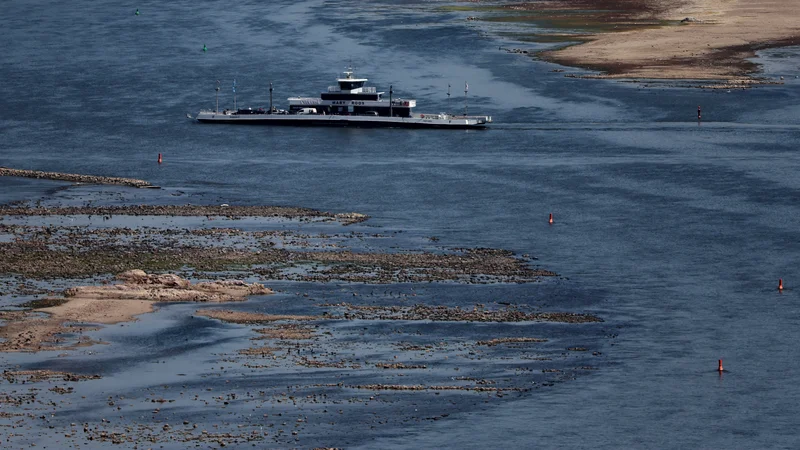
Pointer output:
x,y
673,231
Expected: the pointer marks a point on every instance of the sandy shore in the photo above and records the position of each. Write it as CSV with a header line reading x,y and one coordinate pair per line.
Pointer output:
x,y
111,304
712,45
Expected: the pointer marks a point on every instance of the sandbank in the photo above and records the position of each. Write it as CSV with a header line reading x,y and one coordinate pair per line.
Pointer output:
x,y
93,310
713,44
109,304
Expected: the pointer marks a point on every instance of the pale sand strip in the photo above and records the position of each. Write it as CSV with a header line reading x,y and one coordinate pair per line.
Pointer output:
x,y
110,304
713,49
106,311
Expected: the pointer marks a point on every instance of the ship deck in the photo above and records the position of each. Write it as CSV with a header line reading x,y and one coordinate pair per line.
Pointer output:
x,y
418,121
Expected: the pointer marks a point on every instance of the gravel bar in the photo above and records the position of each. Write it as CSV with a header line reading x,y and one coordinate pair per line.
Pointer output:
x,y
75,178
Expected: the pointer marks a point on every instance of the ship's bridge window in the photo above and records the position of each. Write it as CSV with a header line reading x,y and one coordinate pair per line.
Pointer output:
x,y
348,85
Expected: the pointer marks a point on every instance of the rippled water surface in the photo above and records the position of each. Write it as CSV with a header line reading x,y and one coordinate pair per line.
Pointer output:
x,y
675,232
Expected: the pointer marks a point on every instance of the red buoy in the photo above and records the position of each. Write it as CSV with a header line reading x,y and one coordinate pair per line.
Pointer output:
x,y
720,369
698,112
550,221
159,158
780,284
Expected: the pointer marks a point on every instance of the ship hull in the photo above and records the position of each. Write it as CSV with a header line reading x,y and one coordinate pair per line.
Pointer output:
x,y
345,121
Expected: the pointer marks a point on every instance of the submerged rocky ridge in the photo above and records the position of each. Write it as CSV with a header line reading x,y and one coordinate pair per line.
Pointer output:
x,y
66,251
230,211
74,177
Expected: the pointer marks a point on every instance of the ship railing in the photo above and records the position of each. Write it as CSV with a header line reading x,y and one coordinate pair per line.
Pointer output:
x,y
446,116
478,118
225,111
464,116
305,101
364,89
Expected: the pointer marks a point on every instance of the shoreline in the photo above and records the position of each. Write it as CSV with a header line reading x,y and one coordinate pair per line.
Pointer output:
x,y
695,40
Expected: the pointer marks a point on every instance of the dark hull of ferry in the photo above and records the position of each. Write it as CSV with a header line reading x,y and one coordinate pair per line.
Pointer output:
x,y
306,122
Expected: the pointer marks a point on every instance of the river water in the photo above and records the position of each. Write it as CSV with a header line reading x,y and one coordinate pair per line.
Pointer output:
x,y
674,231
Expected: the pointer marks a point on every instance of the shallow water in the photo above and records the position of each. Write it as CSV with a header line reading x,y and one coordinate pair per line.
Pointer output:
x,y
674,231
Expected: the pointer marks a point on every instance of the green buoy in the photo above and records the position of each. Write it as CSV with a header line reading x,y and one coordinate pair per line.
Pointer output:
x,y
137,11
205,48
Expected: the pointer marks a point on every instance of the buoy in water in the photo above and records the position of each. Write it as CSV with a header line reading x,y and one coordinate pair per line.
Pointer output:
x,y
159,158
137,11
720,369
205,48
780,284
550,220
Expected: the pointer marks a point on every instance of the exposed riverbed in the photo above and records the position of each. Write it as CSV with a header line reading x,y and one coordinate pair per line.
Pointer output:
x,y
671,230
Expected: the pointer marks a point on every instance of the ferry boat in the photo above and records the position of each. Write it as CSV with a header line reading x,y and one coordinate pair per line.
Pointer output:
x,y
348,104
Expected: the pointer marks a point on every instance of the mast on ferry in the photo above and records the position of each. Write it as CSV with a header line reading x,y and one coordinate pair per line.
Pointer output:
x,y
448,99
466,88
217,96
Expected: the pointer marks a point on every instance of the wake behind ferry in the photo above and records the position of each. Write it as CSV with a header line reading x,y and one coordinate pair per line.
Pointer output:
x,y
349,104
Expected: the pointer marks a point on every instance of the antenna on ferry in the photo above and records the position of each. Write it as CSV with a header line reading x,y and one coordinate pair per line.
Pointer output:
x,y
390,100
448,99
466,88
270,97
234,94
217,95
